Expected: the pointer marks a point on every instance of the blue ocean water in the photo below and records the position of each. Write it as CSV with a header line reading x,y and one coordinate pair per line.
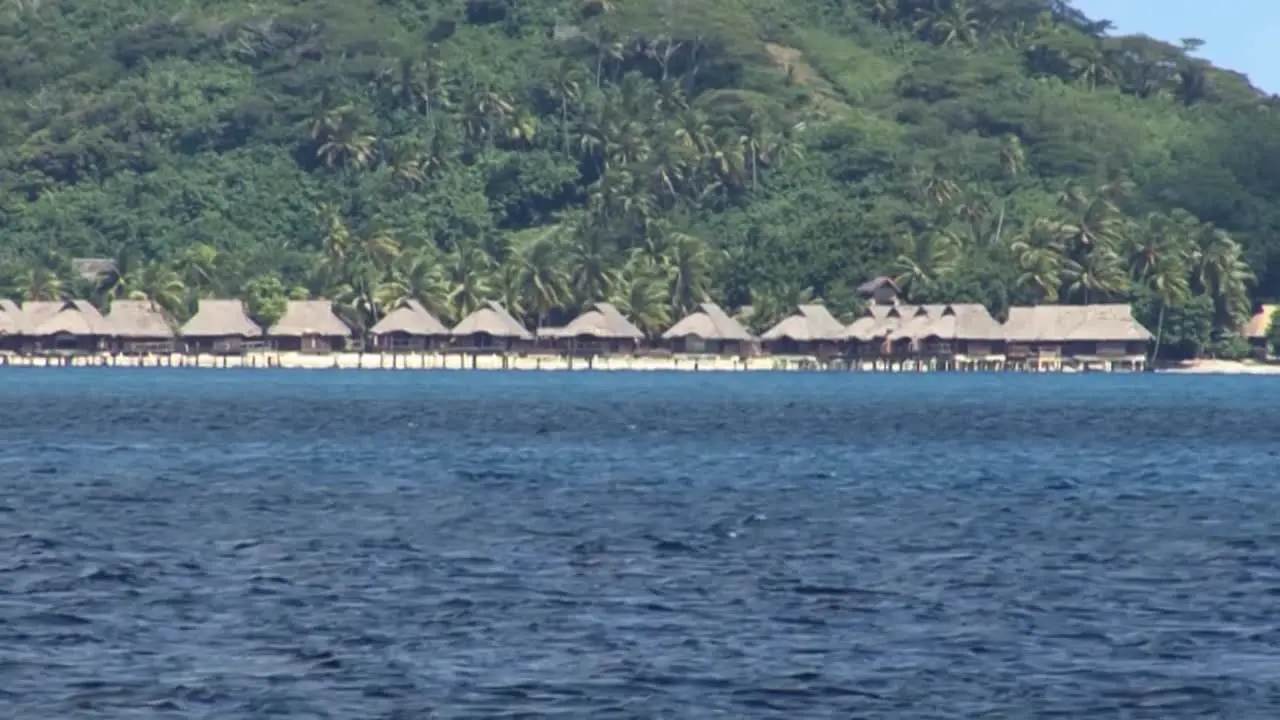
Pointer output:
x,y
337,544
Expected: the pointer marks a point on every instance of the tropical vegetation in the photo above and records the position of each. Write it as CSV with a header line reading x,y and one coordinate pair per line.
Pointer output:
x,y
651,153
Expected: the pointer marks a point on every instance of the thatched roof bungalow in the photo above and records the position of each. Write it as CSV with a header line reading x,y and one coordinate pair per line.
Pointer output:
x,y
709,330
10,325
220,327
310,326
1255,331
601,329
63,326
958,330
490,329
409,327
810,330
1082,332
139,326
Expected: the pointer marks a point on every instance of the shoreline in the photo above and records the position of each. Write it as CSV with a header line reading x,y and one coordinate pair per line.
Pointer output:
x,y
271,360
1222,367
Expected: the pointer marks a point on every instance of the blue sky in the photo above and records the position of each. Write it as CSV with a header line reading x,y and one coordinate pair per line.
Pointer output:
x,y
1239,35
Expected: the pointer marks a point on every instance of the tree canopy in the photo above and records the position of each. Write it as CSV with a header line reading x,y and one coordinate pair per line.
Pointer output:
x,y
649,152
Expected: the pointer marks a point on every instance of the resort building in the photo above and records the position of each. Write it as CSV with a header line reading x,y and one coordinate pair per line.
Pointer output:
x,y
1257,328
600,330
10,326
63,326
709,330
409,327
310,326
139,327
221,327
1047,337
810,330
491,329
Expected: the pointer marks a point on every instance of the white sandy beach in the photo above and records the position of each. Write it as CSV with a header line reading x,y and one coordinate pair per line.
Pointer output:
x,y
1223,367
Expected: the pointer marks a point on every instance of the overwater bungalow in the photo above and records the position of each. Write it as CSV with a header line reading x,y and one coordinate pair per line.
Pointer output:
x,y
600,330
709,330
870,336
10,326
409,327
310,326
810,330
957,336
491,329
1255,331
139,327
221,327
1046,337
63,327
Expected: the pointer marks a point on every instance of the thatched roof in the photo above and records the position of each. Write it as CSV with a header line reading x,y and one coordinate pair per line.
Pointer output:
x,y
138,320
888,321
807,324
963,321
708,322
46,318
491,319
1078,323
863,326
915,321
1257,327
410,318
221,318
304,318
10,317
602,321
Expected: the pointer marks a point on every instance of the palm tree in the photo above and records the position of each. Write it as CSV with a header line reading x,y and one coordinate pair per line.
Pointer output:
x,y
200,268
567,90
1098,274
158,283
642,295
543,281
948,22
688,263
924,259
1037,253
40,284
466,272
416,275
340,140
1218,270
591,261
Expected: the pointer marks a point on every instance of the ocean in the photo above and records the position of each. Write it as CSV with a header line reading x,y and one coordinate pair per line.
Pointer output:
x,y
330,544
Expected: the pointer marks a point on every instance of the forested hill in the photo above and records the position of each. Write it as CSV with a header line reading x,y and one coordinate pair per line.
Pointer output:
x,y
647,151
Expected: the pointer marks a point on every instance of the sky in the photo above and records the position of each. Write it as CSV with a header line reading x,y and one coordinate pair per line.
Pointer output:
x,y
1238,35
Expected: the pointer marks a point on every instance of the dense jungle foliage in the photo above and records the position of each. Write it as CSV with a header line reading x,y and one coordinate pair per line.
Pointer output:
x,y
652,152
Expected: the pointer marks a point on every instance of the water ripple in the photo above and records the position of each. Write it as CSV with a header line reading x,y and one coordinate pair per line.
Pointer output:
x,y
178,544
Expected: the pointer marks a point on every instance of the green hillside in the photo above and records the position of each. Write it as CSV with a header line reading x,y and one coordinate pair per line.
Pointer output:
x,y
644,151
